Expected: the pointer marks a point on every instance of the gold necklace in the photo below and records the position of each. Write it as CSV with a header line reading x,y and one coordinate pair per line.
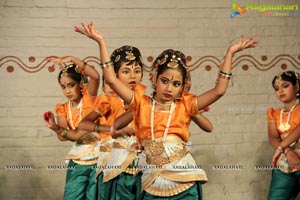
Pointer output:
x,y
283,127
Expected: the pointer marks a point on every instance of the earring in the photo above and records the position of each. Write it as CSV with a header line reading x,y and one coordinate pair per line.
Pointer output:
x,y
298,94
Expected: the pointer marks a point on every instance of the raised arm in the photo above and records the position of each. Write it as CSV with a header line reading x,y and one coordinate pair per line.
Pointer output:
x,y
224,75
108,71
83,68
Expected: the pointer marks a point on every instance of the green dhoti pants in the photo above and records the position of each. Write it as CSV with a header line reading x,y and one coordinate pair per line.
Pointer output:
x,y
284,186
124,186
80,182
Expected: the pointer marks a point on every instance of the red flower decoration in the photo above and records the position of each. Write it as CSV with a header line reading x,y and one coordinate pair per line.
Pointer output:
x,y
206,109
47,115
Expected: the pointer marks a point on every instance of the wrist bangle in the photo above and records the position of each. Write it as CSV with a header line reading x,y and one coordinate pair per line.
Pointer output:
x,y
280,149
64,133
104,64
225,74
97,127
224,77
112,131
287,150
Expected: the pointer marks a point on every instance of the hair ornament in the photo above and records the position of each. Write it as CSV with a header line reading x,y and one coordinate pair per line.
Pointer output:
x,y
278,77
117,58
163,60
173,61
65,70
129,55
297,76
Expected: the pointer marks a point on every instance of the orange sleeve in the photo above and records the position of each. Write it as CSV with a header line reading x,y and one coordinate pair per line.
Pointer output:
x,y
270,115
190,103
102,105
88,99
60,109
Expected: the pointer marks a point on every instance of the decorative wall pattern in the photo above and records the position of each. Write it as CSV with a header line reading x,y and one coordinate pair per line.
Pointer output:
x,y
207,62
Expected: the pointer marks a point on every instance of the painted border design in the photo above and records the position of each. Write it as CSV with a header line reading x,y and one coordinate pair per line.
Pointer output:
x,y
207,62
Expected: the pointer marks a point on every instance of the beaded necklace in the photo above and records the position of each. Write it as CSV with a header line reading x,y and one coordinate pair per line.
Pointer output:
x,y
78,113
283,127
172,108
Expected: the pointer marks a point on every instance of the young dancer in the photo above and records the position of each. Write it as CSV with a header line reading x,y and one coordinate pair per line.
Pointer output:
x,y
120,171
162,121
80,183
281,122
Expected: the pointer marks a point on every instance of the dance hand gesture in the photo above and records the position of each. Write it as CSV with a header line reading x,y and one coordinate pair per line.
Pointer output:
x,y
89,31
60,61
243,44
126,131
293,159
49,120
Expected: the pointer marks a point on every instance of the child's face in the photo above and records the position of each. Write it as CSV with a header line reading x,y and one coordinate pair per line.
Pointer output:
x,y
168,85
285,91
70,88
130,75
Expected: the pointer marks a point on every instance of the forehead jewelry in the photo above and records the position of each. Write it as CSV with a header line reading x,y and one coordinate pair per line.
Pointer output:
x,y
278,78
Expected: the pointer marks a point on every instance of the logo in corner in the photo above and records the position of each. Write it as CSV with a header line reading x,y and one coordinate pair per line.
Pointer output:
x,y
236,10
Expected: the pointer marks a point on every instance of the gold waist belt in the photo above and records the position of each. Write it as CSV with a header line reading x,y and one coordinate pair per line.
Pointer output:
x,y
105,148
154,153
87,140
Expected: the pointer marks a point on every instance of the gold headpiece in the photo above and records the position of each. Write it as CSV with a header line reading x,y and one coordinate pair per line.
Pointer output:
x,y
174,62
278,77
64,71
127,50
129,55
163,60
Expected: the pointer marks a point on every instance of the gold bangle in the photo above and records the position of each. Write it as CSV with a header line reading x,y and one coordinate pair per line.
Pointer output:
x,y
280,149
64,133
287,150
112,131
97,127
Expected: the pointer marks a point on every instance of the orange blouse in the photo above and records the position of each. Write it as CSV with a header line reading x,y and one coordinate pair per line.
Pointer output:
x,y
87,107
141,106
273,115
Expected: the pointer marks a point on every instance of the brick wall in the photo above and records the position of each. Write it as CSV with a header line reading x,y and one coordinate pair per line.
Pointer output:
x,y
34,29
